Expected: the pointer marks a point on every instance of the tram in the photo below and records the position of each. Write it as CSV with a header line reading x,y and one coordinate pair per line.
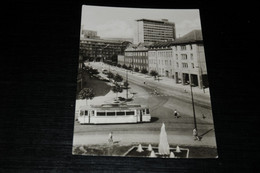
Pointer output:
x,y
113,114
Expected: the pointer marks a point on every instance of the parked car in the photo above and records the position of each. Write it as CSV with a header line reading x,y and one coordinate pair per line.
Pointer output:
x,y
104,71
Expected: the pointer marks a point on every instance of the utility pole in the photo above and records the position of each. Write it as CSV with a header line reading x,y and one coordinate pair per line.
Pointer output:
x,y
127,85
193,107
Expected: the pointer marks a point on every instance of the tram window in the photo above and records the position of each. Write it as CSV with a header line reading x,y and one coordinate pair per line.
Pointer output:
x,y
120,113
147,111
101,114
111,113
86,112
130,113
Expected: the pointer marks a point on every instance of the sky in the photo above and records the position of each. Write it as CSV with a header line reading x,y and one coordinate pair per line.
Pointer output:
x,y
120,22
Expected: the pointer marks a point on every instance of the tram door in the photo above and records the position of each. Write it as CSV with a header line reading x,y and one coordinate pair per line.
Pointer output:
x,y
86,117
141,115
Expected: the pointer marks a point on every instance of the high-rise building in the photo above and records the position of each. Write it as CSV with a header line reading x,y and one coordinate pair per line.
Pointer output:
x,y
154,31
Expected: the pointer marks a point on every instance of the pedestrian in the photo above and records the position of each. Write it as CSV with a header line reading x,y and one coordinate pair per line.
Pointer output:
x,y
203,116
195,135
176,114
110,137
144,82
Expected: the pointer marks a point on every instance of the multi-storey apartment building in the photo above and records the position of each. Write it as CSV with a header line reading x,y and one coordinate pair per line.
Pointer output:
x,y
101,50
154,31
161,59
189,59
137,56
184,59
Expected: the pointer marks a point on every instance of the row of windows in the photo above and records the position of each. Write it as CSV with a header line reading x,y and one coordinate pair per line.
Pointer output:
x,y
184,56
185,65
136,53
119,113
161,54
157,25
183,47
159,31
136,60
162,62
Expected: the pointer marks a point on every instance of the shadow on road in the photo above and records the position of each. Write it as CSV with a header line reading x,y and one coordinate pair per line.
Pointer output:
x,y
154,119
205,133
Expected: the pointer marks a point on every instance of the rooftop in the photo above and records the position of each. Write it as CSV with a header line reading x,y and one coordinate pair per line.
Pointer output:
x,y
163,21
194,36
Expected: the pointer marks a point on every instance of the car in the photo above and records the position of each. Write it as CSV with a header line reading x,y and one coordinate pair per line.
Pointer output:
x,y
104,71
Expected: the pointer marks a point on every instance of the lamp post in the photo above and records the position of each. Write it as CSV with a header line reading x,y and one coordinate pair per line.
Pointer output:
x,y
127,85
193,107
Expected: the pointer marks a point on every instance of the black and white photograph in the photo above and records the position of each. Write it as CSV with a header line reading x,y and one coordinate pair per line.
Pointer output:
x,y
142,85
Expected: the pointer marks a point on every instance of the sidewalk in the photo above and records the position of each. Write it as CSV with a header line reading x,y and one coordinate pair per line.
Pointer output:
x,y
126,138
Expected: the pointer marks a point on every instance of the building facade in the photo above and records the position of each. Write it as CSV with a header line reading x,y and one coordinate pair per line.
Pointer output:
x,y
102,50
136,56
161,60
154,31
182,59
79,74
121,59
189,60
90,34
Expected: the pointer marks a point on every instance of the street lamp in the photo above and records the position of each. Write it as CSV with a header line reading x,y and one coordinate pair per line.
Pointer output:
x,y
193,107
127,85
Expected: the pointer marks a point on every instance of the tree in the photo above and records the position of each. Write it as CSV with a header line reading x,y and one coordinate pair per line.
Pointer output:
x,y
110,75
86,93
136,69
144,71
154,73
126,84
118,78
93,71
116,89
124,66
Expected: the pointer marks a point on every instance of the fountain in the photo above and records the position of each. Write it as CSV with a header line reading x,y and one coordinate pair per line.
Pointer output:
x,y
150,147
178,150
162,151
152,154
164,148
139,149
172,155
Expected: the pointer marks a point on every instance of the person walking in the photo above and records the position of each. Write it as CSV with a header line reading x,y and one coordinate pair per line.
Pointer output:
x,y
176,114
110,137
195,135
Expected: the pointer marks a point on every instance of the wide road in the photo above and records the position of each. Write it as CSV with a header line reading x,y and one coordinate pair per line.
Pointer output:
x,y
161,109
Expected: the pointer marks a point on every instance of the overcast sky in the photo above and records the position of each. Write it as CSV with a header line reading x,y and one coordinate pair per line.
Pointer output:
x,y
120,22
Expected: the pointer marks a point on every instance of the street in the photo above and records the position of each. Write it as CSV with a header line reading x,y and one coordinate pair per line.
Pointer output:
x,y
162,106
